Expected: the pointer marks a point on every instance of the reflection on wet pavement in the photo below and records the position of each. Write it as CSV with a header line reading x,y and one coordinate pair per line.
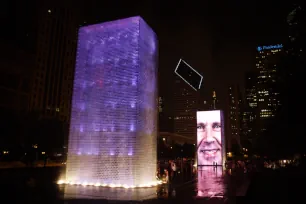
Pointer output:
x,y
210,182
37,185
93,192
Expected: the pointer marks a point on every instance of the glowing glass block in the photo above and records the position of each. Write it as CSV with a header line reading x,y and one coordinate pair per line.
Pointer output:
x,y
113,128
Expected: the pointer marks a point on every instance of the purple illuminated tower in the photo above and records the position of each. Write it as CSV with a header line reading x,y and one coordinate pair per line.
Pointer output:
x,y
113,129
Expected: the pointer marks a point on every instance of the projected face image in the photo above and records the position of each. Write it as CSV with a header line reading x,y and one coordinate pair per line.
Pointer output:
x,y
209,146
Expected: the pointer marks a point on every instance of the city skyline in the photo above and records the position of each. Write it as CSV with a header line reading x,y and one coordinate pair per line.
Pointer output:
x,y
152,101
222,48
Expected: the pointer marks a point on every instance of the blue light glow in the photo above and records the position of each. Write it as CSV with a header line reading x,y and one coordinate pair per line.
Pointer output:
x,y
270,47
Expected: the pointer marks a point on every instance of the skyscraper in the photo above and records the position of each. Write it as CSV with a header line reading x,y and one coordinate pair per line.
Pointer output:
x,y
113,129
234,116
268,79
55,58
165,118
250,89
249,106
208,100
214,100
185,108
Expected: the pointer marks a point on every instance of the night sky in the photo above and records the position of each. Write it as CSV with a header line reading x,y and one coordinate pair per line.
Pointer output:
x,y
217,39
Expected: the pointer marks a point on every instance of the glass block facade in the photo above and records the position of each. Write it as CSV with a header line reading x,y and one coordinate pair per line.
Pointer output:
x,y
113,127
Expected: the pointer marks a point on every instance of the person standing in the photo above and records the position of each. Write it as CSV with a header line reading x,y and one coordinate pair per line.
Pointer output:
x,y
45,160
174,170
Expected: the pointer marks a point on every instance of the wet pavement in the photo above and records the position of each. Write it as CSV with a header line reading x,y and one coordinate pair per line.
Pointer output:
x,y
285,185
38,185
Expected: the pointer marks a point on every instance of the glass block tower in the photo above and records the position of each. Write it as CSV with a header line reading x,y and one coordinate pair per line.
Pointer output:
x,y
113,131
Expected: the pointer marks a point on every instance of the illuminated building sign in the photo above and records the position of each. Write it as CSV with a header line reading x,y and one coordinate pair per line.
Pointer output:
x,y
260,48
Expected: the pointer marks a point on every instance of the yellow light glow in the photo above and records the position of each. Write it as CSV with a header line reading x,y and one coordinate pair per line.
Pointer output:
x,y
61,182
112,185
229,154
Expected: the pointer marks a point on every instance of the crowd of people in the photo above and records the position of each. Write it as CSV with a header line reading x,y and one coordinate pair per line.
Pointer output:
x,y
247,166
182,169
175,170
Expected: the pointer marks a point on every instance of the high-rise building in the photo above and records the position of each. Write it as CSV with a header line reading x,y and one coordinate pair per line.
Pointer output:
x,y
214,100
250,89
233,115
185,108
267,87
55,58
165,118
113,129
209,102
249,106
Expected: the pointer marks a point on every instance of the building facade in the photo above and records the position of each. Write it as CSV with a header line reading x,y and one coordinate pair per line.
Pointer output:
x,y
249,106
165,119
267,87
233,116
55,58
262,93
185,107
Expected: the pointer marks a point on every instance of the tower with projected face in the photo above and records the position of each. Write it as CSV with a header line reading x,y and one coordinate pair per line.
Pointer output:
x,y
210,138
113,131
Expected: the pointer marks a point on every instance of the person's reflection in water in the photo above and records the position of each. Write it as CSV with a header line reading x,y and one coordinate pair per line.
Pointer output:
x,y
210,182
